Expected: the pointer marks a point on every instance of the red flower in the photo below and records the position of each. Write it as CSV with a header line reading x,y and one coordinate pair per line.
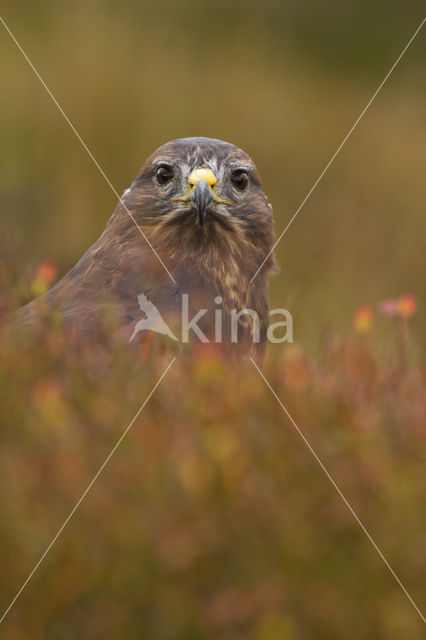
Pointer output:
x,y
46,272
363,319
407,305
389,307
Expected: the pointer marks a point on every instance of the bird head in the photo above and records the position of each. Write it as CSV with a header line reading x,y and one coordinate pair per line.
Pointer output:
x,y
202,194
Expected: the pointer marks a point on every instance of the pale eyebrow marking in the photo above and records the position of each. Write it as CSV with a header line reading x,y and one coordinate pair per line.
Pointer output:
x,y
245,166
159,161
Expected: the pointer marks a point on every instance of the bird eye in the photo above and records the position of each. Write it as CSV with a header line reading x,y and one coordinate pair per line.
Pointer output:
x,y
164,174
240,179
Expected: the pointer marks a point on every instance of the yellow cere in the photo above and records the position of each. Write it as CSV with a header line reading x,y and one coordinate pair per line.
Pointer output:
x,y
209,177
202,174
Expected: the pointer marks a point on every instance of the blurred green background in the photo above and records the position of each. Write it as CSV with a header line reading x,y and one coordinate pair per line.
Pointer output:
x,y
213,522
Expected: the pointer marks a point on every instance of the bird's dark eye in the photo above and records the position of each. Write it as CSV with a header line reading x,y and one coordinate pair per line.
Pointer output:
x,y
164,174
240,179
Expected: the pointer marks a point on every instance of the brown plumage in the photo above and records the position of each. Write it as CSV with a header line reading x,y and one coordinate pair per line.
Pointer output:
x,y
211,238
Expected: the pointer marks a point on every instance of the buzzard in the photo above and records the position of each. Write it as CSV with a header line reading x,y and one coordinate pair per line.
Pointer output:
x,y
194,225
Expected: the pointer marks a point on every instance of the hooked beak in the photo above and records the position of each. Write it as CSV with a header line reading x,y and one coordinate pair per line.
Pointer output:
x,y
201,198
202,183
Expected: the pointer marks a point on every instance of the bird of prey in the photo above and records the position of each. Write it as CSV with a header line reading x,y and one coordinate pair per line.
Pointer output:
x,y
195,222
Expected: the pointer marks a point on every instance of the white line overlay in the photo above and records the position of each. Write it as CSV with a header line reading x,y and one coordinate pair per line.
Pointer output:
x,y
84,145
101,468
333,157
338,491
